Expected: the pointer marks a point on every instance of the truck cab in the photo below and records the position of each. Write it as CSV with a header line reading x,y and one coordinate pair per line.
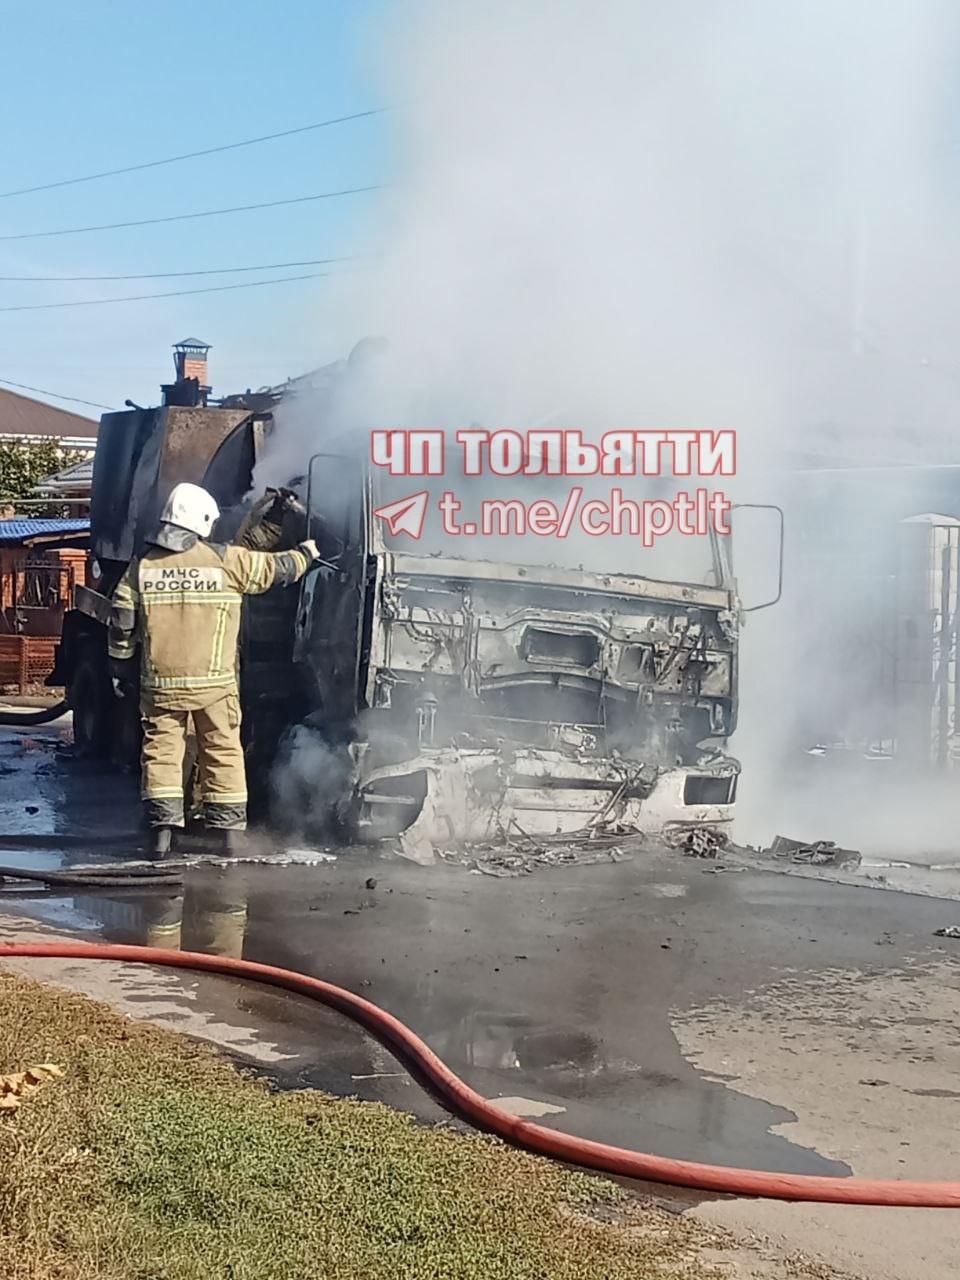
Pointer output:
x,y
482,694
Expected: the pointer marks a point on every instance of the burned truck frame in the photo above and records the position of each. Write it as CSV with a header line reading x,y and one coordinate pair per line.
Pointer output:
x,y
480,697
461,699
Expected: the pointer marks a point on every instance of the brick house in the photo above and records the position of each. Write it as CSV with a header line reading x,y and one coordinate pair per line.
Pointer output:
x,y
41,561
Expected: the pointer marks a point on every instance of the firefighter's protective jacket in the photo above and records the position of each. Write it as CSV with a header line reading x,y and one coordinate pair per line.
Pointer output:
x,y
183,609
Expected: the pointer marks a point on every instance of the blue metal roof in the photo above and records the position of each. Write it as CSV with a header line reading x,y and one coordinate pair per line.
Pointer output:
x,y
22,530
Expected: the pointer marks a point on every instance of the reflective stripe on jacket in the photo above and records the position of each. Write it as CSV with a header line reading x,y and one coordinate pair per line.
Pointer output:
x,y
183,609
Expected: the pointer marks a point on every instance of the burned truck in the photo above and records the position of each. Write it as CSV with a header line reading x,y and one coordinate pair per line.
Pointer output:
x,y
454,698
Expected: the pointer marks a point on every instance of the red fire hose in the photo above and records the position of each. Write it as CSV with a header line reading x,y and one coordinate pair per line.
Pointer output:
x,y
462,1101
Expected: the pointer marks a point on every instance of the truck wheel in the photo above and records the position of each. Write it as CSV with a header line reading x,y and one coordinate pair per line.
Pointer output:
x,y
92,713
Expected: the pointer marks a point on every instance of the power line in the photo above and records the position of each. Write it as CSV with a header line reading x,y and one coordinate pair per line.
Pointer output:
x,y
183,217
176,293
40,391
193,155
212,271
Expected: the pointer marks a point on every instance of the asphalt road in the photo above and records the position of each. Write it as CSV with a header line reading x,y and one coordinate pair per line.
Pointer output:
x,y
564,990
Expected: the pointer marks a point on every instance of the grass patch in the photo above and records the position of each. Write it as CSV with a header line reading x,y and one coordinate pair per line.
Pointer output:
x,y
153,1159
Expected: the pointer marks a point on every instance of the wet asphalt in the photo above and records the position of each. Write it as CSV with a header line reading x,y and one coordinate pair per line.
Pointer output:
x,y
556,988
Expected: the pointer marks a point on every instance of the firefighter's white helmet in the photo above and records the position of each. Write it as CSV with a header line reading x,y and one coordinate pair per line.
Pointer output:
x,y
190,507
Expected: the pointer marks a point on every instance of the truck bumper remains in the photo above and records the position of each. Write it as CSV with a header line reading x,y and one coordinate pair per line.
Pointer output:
x,y
451,796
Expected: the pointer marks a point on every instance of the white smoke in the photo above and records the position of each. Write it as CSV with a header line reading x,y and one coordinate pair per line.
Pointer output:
x,y
695,214
310,783
669,215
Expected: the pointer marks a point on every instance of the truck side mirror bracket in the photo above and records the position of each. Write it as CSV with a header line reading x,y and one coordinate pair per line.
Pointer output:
x,y
767,506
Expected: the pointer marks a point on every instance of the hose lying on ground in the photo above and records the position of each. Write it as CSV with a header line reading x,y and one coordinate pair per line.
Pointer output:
x,y
68,840
96,879
458,1098
43,716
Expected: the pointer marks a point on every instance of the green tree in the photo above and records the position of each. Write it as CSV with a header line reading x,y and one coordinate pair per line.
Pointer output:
x,y
24,466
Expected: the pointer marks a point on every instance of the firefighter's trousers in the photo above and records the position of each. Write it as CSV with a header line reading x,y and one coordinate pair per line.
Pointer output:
x,y
223,783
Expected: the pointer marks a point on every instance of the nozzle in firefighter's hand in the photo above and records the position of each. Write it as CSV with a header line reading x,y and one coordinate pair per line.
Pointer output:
x,y
312,552
290,500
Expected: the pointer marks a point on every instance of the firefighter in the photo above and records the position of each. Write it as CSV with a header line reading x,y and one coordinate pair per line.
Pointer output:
x,y
180,603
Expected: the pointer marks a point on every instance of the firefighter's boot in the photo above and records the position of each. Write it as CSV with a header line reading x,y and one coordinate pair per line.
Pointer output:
x,y
232,842
161,841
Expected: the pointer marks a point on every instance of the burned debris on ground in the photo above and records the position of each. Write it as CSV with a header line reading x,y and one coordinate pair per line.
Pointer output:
x,y
816,853
513,856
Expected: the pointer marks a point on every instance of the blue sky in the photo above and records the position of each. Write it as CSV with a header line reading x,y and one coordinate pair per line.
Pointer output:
x,y
104,84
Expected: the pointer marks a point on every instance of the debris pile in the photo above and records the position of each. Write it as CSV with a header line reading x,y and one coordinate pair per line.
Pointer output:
x,y
696,842
17,1086
817,853
513,859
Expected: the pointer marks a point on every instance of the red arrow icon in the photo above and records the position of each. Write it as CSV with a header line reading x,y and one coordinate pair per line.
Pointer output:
x,y
406,515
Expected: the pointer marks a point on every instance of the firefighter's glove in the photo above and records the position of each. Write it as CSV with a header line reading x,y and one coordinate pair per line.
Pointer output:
x,y
122,676
310,550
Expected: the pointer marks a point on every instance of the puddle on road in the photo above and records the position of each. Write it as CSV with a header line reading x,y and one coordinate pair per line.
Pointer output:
x,y
199,1007
650,1099
551,990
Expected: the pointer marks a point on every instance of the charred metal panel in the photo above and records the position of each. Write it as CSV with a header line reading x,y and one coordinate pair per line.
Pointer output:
x,y
125,469
192,438
230,472
140,456
531,576
592,667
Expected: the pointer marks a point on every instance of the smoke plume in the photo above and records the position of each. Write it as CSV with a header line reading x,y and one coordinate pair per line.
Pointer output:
x,y
696,214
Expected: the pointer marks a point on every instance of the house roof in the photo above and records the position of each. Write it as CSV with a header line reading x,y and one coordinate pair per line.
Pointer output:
x,y
15,533
24,416
79,476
